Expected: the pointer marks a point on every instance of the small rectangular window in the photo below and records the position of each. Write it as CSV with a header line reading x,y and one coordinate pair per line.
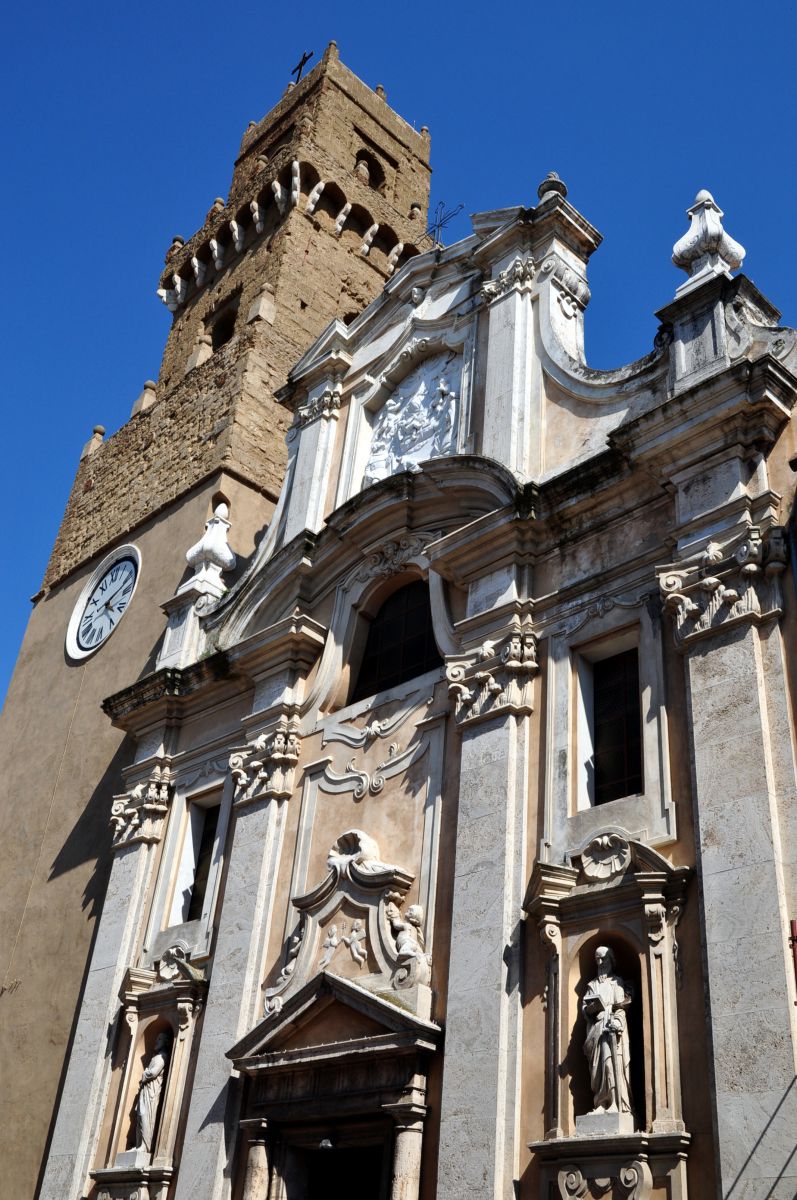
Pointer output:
x,y
609,727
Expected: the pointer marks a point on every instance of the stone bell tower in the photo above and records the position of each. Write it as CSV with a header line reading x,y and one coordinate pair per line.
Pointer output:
x,y
328,197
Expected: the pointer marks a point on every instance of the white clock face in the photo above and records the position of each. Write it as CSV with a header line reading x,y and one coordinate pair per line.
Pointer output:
x,y
103,602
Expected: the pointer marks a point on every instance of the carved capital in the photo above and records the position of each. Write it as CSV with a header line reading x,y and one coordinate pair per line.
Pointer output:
x,y
499,681
726,585
517,277
137,815
326,406
266,769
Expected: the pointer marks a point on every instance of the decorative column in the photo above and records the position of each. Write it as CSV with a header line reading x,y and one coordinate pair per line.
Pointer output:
x,y
137,821
480,1107
258,1167
405,1181
725,606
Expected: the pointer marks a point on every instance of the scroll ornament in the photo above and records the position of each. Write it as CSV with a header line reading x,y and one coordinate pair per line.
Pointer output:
x,y
266,769
726,586
498,680
137,816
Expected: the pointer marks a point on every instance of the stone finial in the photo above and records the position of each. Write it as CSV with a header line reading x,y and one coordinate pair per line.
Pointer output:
x,y
380,91
551,185
211,555
147,398
97,434
175,248
705,250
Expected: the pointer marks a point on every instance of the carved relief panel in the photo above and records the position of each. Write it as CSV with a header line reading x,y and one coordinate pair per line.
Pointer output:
x,y
419,420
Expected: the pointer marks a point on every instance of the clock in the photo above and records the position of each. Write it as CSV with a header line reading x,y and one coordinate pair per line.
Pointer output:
x,y
103,602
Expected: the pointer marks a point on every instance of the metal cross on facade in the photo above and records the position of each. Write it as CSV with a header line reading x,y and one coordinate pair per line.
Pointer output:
x,y
297,70
440,220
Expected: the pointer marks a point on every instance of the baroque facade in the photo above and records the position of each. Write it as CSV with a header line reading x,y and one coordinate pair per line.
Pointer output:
x,y
453,848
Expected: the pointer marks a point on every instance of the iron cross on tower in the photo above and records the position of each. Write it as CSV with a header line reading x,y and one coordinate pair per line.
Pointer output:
x,y
297,70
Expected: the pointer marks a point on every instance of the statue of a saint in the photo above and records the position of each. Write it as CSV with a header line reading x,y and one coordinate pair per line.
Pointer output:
x,y
606,1045
149,1093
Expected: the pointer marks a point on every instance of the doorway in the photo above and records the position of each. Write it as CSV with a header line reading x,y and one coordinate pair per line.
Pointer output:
x,y
352,1173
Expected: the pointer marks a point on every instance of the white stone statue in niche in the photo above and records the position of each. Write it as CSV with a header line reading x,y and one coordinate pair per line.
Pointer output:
x,y
418,422
606,1045
149,1093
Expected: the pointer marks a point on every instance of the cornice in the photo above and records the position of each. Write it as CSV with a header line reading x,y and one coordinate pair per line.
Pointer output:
x,y
747,404
165,691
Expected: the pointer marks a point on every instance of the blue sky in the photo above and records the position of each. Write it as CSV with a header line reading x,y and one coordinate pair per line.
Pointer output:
x,y
121,123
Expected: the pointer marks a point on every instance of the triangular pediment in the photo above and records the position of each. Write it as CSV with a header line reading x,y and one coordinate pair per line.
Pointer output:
x,y
330,1012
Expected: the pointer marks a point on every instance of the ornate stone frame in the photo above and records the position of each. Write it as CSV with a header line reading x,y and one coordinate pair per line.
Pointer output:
x,y
614,884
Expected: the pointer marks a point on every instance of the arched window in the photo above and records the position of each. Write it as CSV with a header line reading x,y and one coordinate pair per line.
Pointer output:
x,y
400,643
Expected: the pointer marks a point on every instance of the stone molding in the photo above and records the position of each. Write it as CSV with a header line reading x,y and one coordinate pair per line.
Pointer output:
x,y
726,586
498,682
266,769
393,556
138,815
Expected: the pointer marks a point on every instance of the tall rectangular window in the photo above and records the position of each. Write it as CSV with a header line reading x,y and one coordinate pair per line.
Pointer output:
x,y
194,867
609,725
617,727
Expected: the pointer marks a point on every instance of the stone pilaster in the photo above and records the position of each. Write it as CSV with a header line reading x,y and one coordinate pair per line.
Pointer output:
x,y
726,624
480,1108
511,366
234,997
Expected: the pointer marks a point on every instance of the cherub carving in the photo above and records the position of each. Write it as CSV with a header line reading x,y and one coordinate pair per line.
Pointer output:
x,y
329,946
355,940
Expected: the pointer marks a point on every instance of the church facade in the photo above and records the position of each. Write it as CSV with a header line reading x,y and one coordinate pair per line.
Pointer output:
x,y
451,836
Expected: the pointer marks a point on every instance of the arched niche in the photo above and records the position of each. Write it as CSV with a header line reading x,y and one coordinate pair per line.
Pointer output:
x,y
620,893
629,957
155,1031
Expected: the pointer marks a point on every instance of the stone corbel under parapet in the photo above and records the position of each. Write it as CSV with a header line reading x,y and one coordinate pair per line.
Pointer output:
x,y
726,585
